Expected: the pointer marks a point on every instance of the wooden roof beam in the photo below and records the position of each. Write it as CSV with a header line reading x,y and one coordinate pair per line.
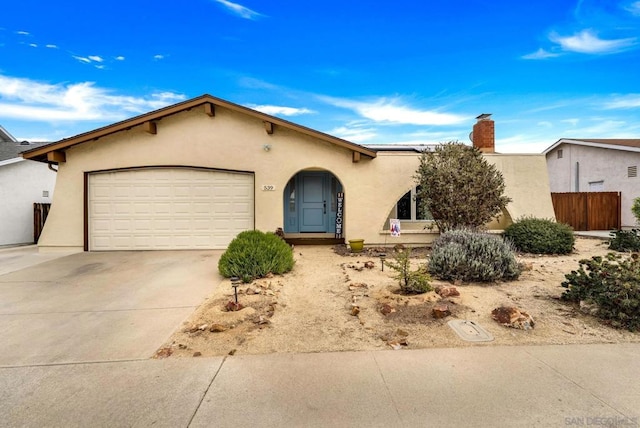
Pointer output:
x,y
355,157
56,156
150,127
210,109
268,126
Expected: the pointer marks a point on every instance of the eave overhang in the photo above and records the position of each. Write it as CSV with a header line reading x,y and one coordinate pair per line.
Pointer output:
x,y
208,103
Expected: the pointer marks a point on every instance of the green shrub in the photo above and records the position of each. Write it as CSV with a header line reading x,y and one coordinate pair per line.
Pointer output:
x,y
612,284
254,254
411,282
635,209
472,256
540,236
625,240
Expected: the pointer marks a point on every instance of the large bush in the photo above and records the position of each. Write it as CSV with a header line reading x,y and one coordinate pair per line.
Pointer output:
x,y
254,254
472,256
459,187
540,236
625,240
612,284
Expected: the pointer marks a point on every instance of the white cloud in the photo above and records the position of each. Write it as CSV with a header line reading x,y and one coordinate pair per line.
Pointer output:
x,y
52,46
158,57
587,42
28,100
393,111
634,8
623,102
239,10
280,110
573,121
95,58
82,59
33,45
354,134
23,33
540,54
119,58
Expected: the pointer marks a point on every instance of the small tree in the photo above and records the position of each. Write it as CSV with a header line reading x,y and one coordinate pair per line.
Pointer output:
x,y
459,187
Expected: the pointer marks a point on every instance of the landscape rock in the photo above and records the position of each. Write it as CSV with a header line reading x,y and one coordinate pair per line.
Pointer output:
x,y
386,309
232,306
513,317
441,310
164,352
355,311
217,328
197,354
369,265
446,291
262,320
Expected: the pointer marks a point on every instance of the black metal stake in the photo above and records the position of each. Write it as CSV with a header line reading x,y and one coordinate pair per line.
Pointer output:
x,y
235,283
382,258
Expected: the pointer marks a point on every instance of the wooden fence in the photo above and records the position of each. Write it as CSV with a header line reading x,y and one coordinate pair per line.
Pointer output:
x,y
40,213
588,210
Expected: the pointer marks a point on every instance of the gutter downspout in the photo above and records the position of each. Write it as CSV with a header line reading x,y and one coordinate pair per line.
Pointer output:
x,y
52,168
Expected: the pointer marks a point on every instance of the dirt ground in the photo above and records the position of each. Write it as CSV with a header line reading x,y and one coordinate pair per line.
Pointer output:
x,y
311,309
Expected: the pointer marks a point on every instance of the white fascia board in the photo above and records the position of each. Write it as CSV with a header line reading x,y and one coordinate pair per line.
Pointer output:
x,y
592,144
10,161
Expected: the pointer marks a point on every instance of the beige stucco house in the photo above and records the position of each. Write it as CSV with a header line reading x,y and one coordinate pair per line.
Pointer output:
x,y
195,174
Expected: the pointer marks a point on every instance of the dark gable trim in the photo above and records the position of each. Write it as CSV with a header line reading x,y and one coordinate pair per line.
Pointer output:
x,y
209,102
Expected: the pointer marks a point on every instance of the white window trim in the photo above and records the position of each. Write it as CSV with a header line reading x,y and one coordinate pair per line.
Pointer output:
x,y
414,209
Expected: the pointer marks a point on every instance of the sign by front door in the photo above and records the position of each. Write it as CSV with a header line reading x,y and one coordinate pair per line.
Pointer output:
x,y
339,214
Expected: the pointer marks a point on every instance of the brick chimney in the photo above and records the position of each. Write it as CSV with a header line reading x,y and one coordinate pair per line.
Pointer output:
x,y
484,134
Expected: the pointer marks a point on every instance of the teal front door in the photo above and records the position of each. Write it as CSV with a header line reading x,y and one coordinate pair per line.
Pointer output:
x,y
310,202
313,202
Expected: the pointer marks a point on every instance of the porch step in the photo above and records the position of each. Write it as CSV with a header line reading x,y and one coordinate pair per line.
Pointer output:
x,y
314,241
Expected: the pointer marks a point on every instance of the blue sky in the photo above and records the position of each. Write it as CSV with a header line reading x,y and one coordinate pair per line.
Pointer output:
x,y
407,71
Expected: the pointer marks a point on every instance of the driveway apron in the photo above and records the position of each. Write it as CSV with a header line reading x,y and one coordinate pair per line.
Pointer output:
x,y
107,306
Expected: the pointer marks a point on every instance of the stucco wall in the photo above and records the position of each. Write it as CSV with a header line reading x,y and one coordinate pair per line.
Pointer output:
x,y
234,141
21,185
596,164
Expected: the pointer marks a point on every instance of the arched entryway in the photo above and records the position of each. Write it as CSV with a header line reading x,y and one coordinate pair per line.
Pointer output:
x,y
313,204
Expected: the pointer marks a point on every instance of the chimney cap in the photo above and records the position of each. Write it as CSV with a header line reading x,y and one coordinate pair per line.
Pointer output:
x,y
484,116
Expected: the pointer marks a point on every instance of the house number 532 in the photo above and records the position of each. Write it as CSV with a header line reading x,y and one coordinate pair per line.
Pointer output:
x,y
268,187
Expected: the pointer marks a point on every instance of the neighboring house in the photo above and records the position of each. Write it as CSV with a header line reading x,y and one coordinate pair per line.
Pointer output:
x,y
195,174
596,165
22,182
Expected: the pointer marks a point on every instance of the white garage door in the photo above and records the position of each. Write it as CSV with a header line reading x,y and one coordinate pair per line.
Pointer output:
x,y
168,208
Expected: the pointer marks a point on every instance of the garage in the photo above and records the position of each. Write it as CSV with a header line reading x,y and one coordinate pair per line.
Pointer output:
x,y
168,208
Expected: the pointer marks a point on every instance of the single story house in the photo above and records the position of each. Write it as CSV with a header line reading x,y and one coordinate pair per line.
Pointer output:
x,y
597,165
195,174
22,183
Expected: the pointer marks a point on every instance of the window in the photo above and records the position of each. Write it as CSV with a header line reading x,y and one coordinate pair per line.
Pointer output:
x,y
596,186
292,195
560,153
632,171
408,207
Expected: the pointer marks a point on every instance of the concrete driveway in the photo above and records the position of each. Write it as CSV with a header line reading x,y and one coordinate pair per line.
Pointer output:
x,y
89,307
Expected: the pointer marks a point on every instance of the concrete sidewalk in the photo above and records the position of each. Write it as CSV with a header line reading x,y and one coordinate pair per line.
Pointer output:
x,y
560,385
